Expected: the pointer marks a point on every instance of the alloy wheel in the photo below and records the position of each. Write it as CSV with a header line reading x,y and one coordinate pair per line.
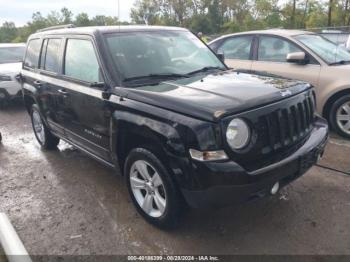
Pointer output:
x,y
148,188
38,127
343,117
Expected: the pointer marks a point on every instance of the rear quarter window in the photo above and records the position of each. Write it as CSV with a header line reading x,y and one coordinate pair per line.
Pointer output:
x,y
32,55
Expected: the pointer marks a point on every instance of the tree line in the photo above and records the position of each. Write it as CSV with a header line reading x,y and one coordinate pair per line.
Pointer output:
x,y
207,16
217,16
10,33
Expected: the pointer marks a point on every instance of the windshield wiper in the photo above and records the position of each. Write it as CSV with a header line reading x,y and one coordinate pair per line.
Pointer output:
x,y
154,76
341,62
205,69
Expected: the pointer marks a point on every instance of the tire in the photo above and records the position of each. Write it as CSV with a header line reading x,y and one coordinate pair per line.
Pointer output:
x,y
164,218
339,116
43,135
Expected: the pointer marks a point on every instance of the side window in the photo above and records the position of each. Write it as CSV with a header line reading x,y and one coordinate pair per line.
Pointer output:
x,y
275,49
237,47
32,54
81,61
51,60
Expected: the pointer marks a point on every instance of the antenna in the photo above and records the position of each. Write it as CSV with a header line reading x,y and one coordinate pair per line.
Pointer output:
x,y
119,13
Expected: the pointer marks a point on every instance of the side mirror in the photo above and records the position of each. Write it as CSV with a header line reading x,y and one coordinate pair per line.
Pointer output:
x,y
298,58
221,56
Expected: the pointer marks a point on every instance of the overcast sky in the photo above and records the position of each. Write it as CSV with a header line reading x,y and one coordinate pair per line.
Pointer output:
x,y
20,11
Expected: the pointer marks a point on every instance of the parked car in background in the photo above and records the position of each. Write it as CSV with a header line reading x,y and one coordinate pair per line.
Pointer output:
x,y
11,57
158,105
297,55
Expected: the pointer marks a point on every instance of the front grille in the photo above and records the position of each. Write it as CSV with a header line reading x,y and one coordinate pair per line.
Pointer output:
x,y
287,126
278,129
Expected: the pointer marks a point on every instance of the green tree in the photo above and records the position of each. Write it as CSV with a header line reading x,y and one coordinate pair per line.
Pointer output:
x,y
53,18
82,19
66,16
8,32
145,12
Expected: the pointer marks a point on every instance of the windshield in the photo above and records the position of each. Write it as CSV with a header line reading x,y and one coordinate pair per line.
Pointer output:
x,y
327,50
138,54
337,38
11,54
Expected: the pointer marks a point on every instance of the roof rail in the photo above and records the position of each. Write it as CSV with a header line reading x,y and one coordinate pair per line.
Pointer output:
x,y
56,27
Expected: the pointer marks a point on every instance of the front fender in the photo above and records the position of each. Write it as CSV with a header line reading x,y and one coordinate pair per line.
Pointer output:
x,y
174,133
126,123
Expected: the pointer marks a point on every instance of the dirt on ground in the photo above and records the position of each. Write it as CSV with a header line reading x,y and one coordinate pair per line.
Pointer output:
x,y
62,202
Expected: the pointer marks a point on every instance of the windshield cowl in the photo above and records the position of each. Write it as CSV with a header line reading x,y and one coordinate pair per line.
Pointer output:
x,y
158,78
341,62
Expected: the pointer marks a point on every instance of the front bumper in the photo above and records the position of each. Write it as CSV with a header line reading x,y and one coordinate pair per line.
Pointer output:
x,y
227,183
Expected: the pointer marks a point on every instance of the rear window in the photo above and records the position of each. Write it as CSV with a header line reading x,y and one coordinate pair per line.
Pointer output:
x,y
51,58
32,55
11,54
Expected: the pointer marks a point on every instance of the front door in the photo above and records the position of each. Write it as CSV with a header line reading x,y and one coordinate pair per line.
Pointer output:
x,y
87,116
271,58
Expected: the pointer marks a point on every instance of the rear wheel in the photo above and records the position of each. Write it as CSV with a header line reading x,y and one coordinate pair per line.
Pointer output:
x,y
42,133
152,189
340,116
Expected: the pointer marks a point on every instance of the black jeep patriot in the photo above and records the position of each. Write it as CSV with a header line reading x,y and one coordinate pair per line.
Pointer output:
x,y
158,105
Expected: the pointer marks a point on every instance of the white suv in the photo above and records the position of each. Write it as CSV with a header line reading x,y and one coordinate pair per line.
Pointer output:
x,y
11,57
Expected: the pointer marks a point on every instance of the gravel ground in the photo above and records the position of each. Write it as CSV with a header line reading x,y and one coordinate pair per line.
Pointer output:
x,y
62,202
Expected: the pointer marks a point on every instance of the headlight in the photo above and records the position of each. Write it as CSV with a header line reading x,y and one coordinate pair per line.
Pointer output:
x,y
238,134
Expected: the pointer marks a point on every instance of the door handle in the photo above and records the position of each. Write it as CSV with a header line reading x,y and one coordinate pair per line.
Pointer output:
x,y
19,78
63,92
37,83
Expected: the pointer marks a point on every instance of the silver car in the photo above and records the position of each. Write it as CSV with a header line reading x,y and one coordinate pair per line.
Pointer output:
x,y
11,57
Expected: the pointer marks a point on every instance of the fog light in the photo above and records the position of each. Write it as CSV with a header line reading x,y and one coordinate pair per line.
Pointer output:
x,y
275,188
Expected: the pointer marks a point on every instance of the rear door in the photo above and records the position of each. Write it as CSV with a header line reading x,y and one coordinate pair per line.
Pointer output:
x,y
49,78
40,69
87,115
30,67
237,51
271,54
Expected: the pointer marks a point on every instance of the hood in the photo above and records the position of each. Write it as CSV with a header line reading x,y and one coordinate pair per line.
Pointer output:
x,y
214,96
10,68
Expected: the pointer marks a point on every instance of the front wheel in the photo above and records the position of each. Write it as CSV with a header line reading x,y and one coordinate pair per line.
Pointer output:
x,y
340,116
42,133
152,189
